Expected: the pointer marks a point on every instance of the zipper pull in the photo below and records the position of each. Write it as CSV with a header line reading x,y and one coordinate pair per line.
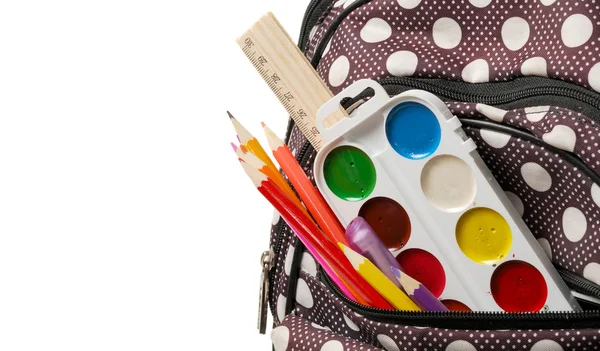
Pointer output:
x,y
263,302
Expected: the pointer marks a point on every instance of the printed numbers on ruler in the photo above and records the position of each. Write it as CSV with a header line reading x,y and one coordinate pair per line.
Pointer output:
x,y
273,78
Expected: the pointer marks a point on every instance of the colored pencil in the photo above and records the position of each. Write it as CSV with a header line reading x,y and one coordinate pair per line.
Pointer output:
x,y
418,292
349,292
310,234
255,162
249,143
364,240
311,197
379,281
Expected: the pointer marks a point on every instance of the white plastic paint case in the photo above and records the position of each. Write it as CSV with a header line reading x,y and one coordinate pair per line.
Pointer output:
x,y
432,229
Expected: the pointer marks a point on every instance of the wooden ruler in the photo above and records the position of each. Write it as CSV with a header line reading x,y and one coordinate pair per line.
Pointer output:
x,y
289,75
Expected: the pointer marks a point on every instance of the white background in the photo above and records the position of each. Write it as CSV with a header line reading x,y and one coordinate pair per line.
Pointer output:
x,y
125,221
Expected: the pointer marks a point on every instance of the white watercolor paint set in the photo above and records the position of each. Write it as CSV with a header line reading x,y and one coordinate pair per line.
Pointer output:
x,y
405,165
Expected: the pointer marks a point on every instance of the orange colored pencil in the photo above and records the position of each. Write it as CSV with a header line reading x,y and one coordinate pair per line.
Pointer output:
x,y
254,161
311,197
314,238
249,143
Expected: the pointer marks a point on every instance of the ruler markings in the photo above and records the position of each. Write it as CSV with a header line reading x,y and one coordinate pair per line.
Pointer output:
x,y
288,74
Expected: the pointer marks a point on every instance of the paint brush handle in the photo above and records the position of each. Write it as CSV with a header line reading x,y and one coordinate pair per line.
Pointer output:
x,y
363,239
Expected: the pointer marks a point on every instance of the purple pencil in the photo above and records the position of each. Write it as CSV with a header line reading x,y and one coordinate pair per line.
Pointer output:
x,y
363,239
418,292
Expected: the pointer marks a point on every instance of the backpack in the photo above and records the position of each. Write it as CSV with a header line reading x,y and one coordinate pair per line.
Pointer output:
x,y
523,76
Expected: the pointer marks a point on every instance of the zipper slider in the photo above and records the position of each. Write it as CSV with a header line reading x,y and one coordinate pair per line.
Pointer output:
x,y
263,302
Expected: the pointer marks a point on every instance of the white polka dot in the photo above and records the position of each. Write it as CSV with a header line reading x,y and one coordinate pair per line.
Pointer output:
x,y
289,257
536,176
332,345
493,113
515,33
516,202
315,325
339,71
592,272
460,345
281,301
387,342
545,244
536,114
596,194
480,3
308,264
409,4
446,33
546,345
594,77
574,224
348,3
280,338
576,30
327,47
477,71
561,137
303,294
350,323
535,66
375,30
495,139
402,63
276,218
547,2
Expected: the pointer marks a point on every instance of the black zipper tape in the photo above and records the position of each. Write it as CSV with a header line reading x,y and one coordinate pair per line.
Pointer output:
x,y
473,320
294,275
518,93
524,135
314,11
579,284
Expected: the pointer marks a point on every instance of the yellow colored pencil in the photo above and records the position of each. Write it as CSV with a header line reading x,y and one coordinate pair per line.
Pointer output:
x,y
249,143
379,281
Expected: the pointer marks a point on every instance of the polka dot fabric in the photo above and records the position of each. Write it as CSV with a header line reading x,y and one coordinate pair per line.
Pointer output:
x,y
555,198
474,41
330,325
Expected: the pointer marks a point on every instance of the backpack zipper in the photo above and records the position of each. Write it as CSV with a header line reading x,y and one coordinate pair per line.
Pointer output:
x,y
472,320
480,320
308,16
503,93
581,285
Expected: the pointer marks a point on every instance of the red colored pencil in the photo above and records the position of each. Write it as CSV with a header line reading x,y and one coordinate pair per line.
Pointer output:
x,y
308,232
311,197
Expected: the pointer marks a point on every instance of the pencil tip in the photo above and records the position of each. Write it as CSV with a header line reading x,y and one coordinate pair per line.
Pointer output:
x,y
263,124
230,115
